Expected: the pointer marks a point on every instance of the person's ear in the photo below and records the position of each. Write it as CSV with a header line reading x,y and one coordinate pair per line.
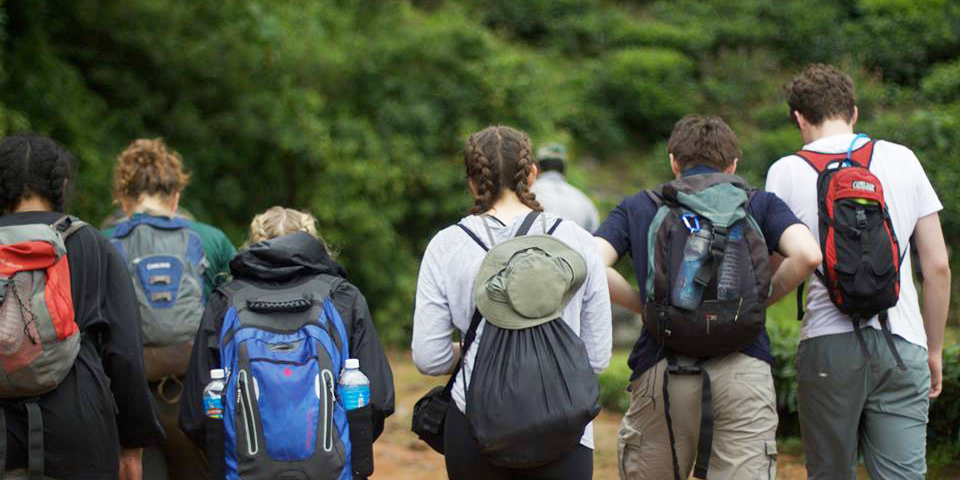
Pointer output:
x,y
730,170
674,166
798,119
127,204
534,172
855,116
471,187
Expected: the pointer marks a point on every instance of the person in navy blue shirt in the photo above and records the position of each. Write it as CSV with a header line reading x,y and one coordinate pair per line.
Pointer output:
x,y
744,401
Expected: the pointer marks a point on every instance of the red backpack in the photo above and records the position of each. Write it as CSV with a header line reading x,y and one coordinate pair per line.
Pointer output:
x,y
861,254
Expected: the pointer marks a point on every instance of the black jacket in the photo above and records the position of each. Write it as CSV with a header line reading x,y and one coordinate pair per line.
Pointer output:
x,y
275,262
103,403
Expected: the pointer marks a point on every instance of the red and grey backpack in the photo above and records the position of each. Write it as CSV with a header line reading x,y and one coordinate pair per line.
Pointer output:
x,y
39,338
861,254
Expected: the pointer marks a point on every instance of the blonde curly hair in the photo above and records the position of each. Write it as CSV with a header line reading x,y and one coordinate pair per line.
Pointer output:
x,y
278,221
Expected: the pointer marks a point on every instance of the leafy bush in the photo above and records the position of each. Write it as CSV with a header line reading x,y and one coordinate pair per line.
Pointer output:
x,y
613,384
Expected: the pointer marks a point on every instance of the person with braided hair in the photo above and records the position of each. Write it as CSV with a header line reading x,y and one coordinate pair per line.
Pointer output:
x,y
500,167
285,251
175,264
98,419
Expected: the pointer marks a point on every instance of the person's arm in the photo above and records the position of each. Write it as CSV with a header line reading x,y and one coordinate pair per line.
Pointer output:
x,y
596,317
621,292
431,346
204,357
122,353
801,256
365,346
219,271
935,266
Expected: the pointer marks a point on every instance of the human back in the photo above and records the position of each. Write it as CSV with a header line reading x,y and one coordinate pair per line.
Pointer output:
x,y
174,264
104,393
499,171
288,299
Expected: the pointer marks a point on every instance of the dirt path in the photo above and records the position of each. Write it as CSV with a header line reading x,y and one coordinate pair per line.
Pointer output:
x,y
400,456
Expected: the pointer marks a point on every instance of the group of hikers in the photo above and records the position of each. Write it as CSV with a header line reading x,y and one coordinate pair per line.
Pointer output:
x,y
154,349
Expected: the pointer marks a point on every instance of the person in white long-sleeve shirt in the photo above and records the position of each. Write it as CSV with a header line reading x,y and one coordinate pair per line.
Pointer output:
x,y
558,197
500,168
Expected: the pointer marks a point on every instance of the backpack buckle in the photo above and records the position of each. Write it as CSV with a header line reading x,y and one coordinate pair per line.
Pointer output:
x,y
861,218
684,369
3,289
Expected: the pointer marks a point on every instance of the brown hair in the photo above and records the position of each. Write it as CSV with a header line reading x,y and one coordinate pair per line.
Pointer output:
x,y
278,221
703,140
821,92
499,157
148,167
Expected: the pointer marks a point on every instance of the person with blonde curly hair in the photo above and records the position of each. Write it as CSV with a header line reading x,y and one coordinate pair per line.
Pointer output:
x,y
175,264
285,253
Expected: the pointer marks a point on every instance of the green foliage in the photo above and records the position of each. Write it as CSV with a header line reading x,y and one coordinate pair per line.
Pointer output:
x,y
613,384
358,110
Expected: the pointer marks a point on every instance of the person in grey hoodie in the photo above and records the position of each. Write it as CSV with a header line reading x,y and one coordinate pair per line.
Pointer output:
x,y
500,169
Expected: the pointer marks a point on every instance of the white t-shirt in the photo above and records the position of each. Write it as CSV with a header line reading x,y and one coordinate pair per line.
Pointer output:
x,y
909,197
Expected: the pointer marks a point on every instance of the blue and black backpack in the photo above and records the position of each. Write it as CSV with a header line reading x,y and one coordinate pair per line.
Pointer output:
x,y
283,351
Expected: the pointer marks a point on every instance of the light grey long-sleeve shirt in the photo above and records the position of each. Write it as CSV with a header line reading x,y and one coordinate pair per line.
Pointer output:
x,y
557,196
445,299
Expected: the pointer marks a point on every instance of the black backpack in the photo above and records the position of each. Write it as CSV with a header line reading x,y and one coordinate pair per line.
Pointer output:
x,y
708,282
532,391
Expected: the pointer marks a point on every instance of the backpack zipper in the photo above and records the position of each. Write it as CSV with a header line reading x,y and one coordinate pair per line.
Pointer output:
x,y
246,411
328,404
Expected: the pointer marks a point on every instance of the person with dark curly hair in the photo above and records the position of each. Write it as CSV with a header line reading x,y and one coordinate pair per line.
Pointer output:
x,y
99,418
148,181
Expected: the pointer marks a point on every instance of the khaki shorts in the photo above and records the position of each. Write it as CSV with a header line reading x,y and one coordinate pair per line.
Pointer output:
x,y
745,422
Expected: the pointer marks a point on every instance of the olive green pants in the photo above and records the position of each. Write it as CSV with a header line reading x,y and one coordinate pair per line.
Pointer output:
x,y
745,422
849,402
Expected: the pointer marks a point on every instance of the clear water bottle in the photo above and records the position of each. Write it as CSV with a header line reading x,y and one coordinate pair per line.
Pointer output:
x,y
213,395
728,276
687,293
354,386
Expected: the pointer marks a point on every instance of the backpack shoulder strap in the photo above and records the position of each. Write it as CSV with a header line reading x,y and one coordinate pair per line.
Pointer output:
x,y
819,161
68,225
473,236
465,344
527,223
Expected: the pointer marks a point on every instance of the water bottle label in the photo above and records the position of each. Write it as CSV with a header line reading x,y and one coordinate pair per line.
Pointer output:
x,y
213,406
355,396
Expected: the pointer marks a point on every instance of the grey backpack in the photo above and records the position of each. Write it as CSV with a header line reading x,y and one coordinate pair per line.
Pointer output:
x,y
39,337
166,260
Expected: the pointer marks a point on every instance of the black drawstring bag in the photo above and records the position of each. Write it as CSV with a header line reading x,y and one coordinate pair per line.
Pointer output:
x,y
532,393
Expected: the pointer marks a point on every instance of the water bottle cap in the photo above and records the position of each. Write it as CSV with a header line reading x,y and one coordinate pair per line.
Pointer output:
x,y
216,373
352,363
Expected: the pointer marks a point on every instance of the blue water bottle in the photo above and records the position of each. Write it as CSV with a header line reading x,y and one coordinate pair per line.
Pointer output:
x,y
687,293
213,395
354,386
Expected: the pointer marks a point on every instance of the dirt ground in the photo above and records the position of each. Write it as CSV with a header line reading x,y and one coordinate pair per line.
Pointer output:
x,y
401,456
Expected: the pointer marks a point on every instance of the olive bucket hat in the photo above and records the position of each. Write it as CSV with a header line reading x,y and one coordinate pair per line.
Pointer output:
x,y
528,280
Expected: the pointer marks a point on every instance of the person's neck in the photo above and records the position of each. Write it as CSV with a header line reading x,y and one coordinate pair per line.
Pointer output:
x,y
508,207
829,128
33,204
154,204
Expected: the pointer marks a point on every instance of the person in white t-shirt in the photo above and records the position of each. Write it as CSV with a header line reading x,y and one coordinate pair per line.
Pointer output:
x,y
848,397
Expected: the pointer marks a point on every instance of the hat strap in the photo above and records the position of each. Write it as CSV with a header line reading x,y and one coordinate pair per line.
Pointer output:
x,y
486,227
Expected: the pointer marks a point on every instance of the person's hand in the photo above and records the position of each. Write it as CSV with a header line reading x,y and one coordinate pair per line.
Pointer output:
x,y
131,464
936,373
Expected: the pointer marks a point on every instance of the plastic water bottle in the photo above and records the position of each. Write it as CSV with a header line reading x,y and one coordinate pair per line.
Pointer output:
x,y
687,293
728,276
213,395
354,386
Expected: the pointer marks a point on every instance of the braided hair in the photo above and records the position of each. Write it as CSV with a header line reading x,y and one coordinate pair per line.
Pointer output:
x,y
496,158
33,165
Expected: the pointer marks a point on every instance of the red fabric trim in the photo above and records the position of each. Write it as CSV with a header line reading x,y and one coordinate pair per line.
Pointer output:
x,y
59,298
35,255
819,161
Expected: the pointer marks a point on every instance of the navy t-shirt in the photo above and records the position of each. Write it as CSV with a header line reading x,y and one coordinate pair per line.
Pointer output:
x,y
625,228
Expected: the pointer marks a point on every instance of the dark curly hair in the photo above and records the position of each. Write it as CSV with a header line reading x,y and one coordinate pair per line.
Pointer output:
x,y
499,157
821,92
33,165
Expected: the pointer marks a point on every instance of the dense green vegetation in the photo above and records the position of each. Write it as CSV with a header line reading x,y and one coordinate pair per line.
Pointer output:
x,y
358,110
